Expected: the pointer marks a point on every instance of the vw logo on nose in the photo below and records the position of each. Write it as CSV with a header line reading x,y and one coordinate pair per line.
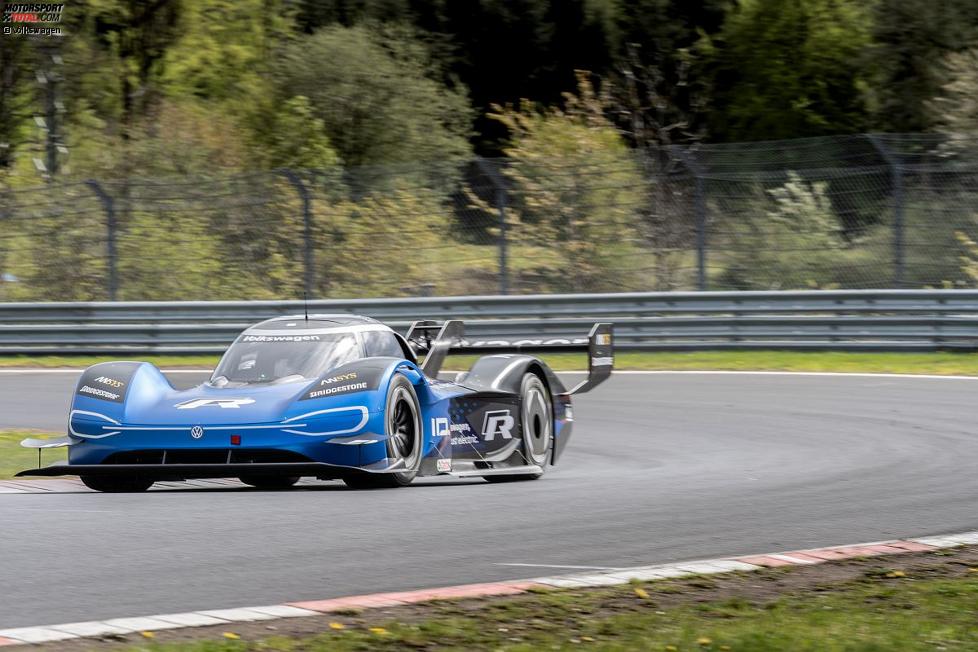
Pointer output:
x,y
196,432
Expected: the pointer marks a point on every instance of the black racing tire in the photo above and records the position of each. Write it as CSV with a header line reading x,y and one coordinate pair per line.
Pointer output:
x,y
116,485
270,482
536,424
402,425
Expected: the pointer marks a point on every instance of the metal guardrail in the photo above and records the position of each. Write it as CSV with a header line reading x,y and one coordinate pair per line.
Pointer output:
x,y
829,320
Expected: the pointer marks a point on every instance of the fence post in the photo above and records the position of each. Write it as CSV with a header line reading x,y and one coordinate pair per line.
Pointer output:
x,y
500,185
110,227
699,210
896,180
308,253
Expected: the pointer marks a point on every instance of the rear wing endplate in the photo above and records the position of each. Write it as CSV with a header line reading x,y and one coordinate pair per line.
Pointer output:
x,y
600,357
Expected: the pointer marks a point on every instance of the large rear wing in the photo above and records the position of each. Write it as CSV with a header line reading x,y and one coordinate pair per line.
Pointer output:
x,y
436,340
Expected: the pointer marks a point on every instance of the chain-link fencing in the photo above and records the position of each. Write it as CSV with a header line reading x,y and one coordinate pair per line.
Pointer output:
x,y
864,211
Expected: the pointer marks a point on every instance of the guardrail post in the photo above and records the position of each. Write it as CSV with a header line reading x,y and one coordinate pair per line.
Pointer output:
x,y
110,228
500,185
896,180
308,253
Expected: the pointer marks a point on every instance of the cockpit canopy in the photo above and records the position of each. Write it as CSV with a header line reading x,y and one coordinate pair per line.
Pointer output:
x,y
292,349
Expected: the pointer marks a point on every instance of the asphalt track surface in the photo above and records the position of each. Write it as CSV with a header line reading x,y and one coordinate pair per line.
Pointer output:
x,y
664,467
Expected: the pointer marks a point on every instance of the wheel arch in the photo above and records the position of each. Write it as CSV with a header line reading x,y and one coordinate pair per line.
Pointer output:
x,y
505,373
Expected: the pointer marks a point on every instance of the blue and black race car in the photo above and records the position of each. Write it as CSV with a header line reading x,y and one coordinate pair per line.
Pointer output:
x,y
329,396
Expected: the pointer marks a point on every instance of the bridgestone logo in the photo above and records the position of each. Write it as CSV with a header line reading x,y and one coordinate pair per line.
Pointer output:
x,y
281,338
354,387
100,393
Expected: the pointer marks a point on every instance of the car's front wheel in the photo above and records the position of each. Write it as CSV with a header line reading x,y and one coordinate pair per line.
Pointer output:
x,y
404,439
115,485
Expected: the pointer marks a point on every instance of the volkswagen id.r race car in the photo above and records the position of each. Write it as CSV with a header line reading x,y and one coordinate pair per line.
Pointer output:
x,y
328,396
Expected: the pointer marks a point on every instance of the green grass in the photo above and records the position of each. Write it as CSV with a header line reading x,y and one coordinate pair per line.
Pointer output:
x,y
14,457
82,361
907,363
871,614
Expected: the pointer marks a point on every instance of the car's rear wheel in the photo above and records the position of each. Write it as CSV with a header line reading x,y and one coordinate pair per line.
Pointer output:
x,y
402,426
270,482
114,485
537,422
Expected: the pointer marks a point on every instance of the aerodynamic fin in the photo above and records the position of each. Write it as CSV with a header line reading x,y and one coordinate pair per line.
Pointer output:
x,y
600,357
437,349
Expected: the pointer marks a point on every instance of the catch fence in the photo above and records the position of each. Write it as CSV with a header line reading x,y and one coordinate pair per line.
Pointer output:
x,y
844,212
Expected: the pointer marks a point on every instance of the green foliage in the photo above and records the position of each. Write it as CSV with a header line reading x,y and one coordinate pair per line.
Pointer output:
x,y
387,243
376,94
911,39
784,70
223,48
56,251
577,189
791,239
17,57
289,135
955,111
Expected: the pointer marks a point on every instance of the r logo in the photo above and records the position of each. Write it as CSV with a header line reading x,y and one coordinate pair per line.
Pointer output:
x,y
225,403
497,422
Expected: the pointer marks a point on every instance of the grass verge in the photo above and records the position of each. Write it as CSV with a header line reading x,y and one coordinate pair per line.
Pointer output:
x,y
81,361
920,601
14,457
905,363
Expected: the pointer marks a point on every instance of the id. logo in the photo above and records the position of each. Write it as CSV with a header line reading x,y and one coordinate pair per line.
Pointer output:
x,y
439,427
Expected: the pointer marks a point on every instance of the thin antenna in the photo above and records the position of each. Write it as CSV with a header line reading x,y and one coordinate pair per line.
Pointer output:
x,y
305,304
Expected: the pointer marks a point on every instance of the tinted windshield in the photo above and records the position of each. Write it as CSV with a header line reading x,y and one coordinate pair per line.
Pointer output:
x,y
255,358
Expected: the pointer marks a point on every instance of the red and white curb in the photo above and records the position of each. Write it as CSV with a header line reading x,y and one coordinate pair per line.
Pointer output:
x,y
122,626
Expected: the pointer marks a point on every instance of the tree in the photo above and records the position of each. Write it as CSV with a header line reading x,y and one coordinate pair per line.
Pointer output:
x,y
224,48
16,59
289,135
911,39
789,69
377,94
791,240
577,190
956,109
